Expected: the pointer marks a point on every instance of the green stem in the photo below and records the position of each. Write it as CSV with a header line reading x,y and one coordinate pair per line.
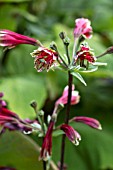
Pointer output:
x,y
70,80
67,53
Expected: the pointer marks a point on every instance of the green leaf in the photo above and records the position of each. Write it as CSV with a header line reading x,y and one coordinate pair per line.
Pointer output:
x,y
90,69
19,151
79,77
20,91
99,64
57,133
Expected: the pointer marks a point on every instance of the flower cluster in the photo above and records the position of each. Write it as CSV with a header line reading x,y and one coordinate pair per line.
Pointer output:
x,y
70,132
10,120
46,58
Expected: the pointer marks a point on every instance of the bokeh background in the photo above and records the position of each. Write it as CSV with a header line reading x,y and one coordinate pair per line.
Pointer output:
x,y
44,20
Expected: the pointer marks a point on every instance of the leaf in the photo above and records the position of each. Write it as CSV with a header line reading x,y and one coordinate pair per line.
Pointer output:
x,y
91,68
57,133
20,91
78,76
99,64
19,151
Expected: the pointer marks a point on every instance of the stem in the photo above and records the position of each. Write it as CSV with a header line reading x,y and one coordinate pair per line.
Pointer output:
x,y
70,79
75,47
44,165
101,55
67,53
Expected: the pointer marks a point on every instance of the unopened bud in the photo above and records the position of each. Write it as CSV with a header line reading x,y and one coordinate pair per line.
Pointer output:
x,y
62,35
33,104
110,50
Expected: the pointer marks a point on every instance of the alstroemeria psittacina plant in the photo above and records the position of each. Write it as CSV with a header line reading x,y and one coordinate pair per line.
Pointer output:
x,y
82,60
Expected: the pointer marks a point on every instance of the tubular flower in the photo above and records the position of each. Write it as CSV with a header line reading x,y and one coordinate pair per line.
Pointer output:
x,y
64,98
88,121
47,143
82,27
44,58
71,133
10,120
11,39
85,53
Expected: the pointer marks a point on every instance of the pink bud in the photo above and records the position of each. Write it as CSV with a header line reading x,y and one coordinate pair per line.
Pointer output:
x,y
82,27
47,143
64,98
88,121
71,133
11,39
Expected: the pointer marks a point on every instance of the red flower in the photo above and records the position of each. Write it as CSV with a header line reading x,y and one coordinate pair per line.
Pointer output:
x,y
11,39
47,143
88,121
82,27
71,133
44,58
85,54
64,98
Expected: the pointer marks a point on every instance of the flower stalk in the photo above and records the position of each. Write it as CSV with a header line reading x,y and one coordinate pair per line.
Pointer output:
x,y
70,80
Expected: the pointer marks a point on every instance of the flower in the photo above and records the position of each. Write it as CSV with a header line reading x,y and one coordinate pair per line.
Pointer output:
x,y
44,58
64,98
88,121
85,53
71,133
10,120
82,27
47,143
11,39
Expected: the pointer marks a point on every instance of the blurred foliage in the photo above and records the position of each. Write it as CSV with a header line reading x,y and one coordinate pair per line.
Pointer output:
x,y
44,20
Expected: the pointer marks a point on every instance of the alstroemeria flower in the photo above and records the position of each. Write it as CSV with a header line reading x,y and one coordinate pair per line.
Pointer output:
x,y
85,53
10,120
44,58
88,121
71,133
11,39
47,143
64,98
82,27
